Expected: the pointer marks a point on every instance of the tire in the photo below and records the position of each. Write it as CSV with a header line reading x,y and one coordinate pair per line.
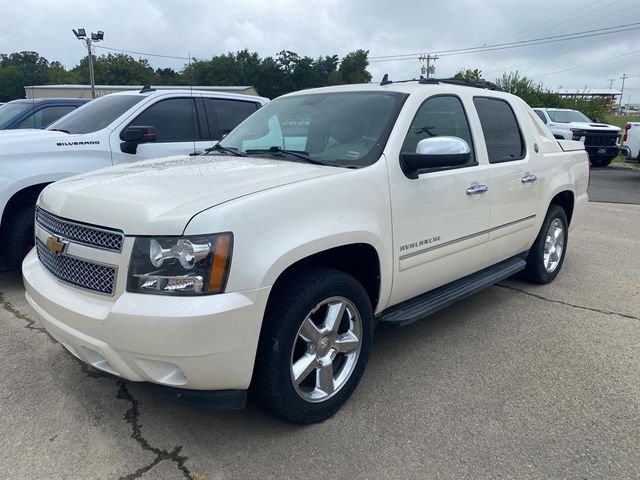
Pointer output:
x,y
298,331
20,236
600,162
541,269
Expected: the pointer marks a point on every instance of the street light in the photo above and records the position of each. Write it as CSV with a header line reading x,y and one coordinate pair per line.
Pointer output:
x,y
81,34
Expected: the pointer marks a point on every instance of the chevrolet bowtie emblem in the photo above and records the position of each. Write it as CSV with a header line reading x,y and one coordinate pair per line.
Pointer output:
x,y
56,245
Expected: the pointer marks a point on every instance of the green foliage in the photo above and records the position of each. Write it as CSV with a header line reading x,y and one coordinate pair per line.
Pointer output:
x,y
353,67
271,76
468,74
536,96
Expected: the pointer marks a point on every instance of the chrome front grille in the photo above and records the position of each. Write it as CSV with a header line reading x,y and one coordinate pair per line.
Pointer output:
x,y
84,274
97,237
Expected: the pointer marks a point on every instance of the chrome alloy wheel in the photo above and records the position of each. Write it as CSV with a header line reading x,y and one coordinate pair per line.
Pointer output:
x,y
554,245
326,349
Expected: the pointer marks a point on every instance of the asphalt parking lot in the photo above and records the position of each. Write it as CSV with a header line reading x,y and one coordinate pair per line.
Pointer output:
x,y
518,381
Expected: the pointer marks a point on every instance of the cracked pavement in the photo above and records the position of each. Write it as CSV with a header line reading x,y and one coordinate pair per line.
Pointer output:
x,y
518,381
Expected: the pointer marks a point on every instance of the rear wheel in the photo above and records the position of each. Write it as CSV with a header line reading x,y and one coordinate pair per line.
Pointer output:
x,y
20,236
546,256
315,345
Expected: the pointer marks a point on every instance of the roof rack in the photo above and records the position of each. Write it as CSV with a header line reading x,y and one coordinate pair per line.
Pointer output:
x,y
465,82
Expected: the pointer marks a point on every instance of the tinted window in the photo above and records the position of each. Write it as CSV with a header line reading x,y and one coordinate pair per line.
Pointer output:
x,y
500,128
541,115
45,116
439,117
224,115
96,114
9,111
175,120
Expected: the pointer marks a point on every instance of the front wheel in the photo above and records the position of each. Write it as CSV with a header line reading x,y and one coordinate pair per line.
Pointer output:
x,y
547,253
315,344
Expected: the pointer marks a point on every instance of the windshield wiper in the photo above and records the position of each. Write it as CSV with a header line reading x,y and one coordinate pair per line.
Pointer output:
x,y
58,130
293,153
219,148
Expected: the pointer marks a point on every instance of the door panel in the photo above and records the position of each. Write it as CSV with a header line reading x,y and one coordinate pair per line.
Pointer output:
x,y
515,185
440,231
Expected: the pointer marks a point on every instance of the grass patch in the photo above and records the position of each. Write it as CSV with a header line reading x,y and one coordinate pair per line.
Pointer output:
x,y
619,162
620,121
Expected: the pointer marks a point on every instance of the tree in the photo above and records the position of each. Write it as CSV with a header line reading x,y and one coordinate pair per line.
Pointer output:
x,y
353,67
29,68
468,74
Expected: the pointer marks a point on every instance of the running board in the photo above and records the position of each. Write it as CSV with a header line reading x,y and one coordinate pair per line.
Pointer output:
x,y
419,307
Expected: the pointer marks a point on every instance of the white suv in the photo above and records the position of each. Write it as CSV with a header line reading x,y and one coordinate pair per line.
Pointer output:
x,y
114,129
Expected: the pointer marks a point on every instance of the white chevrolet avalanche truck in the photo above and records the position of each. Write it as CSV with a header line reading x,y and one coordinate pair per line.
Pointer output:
x,y
118,128
267,261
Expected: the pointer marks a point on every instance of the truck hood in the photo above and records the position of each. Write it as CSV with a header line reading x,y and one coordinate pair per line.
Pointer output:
x,y
588,126
159,197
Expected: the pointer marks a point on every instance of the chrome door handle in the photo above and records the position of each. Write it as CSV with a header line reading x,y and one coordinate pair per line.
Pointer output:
x,y
528,178
475,189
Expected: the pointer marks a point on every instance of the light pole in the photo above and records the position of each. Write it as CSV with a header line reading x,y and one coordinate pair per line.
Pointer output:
x,y
95,37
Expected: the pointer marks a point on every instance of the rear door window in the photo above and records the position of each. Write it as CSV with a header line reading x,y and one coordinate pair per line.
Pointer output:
x,y
45,116
500,128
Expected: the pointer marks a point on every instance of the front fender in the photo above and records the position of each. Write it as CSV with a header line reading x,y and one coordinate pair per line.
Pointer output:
x,y
276,228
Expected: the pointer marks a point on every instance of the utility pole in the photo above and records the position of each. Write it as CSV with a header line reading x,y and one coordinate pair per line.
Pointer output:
x,y
429,69
611,83
623,78
81,34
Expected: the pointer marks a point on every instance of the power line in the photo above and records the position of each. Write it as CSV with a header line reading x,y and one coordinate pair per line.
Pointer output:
x,y
591,63
142,53
508,45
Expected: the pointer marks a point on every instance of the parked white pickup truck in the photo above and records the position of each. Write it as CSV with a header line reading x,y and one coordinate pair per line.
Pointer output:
x,y
601,141
118,128
268,261
631,142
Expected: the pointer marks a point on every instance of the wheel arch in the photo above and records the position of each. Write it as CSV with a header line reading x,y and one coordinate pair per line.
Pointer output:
x,y
27,195
566,200
361,260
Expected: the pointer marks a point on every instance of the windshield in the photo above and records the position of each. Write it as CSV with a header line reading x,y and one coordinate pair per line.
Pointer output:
x,y
96,114
346,129
567,116
9,111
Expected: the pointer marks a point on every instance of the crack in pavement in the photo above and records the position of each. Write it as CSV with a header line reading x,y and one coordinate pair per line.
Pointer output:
x,y
132,417
572,305
31,324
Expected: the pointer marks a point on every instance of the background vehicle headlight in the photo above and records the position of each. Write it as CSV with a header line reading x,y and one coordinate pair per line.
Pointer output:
x,y
193,265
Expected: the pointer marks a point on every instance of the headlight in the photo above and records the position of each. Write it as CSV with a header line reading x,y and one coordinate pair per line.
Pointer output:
x,y
193,265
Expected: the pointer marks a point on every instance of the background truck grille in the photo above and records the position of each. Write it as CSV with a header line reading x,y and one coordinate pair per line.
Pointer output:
x,y
79,233
601,140
80,273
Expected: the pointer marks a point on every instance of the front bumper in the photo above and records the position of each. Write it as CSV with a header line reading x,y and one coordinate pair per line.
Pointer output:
x,y
200,343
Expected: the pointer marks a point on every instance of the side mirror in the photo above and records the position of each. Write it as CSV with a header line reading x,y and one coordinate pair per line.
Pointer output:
x,y
133,136
433,153
595,120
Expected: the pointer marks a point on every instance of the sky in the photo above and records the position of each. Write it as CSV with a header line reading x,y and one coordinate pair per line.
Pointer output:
x,y
202,29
